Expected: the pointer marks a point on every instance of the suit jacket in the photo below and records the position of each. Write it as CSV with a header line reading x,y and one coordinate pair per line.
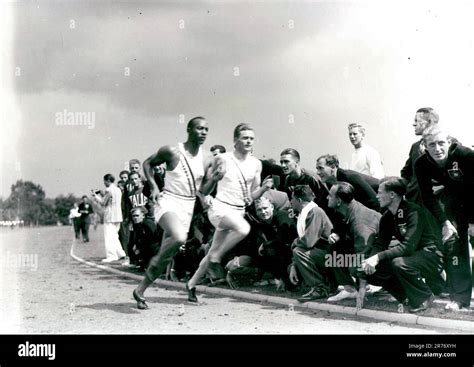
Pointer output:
x,y
318,227
359,227
408,173
413,228
457,177
365,187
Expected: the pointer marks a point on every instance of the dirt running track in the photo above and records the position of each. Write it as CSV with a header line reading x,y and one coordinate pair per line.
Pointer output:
x,y
59,295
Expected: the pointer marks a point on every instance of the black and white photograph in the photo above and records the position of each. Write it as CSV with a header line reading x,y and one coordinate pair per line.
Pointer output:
x,y
237,168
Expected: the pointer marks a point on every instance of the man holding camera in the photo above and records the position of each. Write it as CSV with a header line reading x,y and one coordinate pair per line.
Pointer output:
x,y
111,202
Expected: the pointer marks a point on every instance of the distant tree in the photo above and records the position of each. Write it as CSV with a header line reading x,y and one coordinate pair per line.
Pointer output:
x,y
63,205
47,213
27,202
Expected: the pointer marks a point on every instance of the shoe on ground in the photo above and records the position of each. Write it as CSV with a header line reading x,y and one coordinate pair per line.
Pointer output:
x,y
191,294
423,306
108,260
381,293
387,298
314,293
141,301
391,298
343,295
371,289
453,306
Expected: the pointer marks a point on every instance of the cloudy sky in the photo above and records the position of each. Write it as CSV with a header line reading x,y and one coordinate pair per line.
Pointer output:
x,y
298,71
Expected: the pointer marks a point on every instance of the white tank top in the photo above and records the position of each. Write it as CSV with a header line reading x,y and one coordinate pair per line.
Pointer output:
x,y
232,189
187,176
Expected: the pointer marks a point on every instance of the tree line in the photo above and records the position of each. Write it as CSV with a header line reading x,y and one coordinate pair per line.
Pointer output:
x,y
28,202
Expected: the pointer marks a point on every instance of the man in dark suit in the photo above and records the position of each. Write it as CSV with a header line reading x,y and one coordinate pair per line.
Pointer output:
x,y
424,118
452,165
365,187
411,267
85,208
296,175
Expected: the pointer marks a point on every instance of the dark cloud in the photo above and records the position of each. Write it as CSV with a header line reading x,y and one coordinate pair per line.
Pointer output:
x,y
323,63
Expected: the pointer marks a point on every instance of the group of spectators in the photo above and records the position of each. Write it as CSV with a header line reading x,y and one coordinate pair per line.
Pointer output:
x,y
334,231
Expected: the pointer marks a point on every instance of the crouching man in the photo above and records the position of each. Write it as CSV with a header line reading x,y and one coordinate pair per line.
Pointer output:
x,y
354,230
311,247
401,267
268,244
145,240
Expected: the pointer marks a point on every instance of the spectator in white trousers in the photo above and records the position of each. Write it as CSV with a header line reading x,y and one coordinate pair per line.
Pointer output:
x,y
111,202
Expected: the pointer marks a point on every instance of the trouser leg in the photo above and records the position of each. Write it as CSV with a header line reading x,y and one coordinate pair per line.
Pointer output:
x,y
385,277
85,230
77,228
124,236
458,269
411,269
159,262
310,264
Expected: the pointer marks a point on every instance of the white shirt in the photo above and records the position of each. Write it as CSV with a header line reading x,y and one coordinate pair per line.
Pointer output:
x,y
367,160
187,176
112,204
236,184
74,213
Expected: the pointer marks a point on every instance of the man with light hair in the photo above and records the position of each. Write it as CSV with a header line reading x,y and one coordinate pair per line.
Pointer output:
x,y
452,165
424,118
409,267
272,231
365,159
236,189
145,237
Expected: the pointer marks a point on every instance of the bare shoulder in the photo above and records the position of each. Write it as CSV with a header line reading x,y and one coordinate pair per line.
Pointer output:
x,y
168,152
207,159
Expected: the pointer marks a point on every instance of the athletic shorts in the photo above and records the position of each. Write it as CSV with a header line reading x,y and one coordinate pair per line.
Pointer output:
x,y
218,210
183,207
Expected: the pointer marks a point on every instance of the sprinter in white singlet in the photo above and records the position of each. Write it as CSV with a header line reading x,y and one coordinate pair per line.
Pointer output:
x,y
185,168
238,187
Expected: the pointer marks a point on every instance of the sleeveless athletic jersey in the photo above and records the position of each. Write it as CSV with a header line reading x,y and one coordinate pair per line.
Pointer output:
x,y
180,180
232,189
